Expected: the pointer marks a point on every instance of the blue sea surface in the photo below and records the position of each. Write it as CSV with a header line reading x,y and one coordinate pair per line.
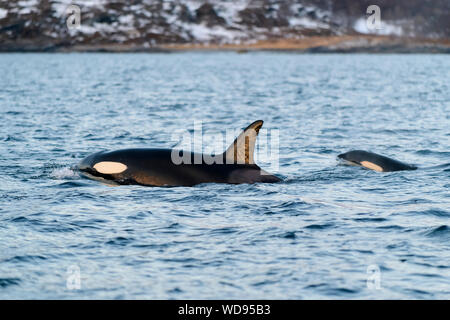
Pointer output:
x,y
327,231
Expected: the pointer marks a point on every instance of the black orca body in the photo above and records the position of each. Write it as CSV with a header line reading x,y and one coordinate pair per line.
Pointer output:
x,y
374,161
162,167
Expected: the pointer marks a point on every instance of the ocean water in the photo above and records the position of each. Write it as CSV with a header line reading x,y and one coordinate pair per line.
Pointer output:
x,y
327,231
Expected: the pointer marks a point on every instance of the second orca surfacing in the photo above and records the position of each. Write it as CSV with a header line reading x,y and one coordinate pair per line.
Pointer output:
x,y
374,161
156,167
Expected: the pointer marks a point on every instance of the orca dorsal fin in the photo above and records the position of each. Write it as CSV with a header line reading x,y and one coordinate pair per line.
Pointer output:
x,y
242,149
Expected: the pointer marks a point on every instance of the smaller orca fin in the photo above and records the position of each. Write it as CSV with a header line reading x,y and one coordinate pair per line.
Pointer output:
x,y
242,149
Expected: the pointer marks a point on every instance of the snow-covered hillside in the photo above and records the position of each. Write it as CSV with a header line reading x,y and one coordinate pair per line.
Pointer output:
x,y
149,23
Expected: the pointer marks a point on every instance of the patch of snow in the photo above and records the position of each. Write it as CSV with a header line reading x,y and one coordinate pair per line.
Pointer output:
x,y
25,11
193,5
121,38
166,6
148,14
203,33
136,7
297,8
27,7
321,14
28,3
306,22
60,7
3,13
84,29
301,18
127,19
102,28
230,10
385,28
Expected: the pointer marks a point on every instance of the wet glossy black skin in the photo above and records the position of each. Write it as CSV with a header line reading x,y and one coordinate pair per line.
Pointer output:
x,y
388,164
154,167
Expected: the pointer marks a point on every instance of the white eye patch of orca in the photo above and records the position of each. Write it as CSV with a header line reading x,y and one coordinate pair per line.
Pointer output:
x,y
110,167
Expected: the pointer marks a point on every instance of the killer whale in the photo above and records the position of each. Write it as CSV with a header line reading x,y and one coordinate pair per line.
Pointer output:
x,y
374,161
162,167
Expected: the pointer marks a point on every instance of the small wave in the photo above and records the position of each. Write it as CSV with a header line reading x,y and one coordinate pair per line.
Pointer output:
x,y
64,173
89,224
20,219
418,292
175,290
426,212
288,204
60,228
325,175
190,198
412,201
391,227
264,283
10,138
431,152
436,212
120,241
288,235
319,226
335,204
316,285
122,135
6,282
224,230
26,258
339,291
180,260
445,165
441,231
370,219
70,184
14,113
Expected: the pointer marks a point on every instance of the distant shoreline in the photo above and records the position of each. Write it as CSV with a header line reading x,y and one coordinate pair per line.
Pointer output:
x,y
316,44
